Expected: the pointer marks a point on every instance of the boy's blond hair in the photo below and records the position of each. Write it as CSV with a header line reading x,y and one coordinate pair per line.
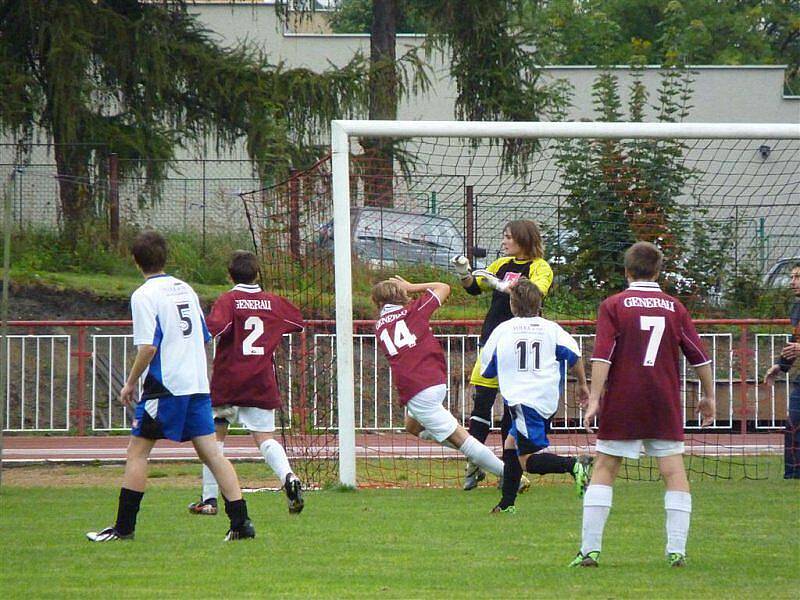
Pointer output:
x,y
526,298
388,292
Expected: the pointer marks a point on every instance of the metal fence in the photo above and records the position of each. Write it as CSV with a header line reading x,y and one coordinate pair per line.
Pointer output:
x,y
65,376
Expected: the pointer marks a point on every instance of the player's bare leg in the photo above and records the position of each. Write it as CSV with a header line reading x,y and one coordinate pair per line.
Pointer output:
x,y
224,473
208,500
596,507
678,506
275,456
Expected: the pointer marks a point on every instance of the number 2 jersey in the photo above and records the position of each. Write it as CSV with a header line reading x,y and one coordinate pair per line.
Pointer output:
x,y
641,332
249,324
528,356
415,356
167,315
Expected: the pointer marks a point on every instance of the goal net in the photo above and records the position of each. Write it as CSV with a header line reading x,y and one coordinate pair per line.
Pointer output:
x,y
720,200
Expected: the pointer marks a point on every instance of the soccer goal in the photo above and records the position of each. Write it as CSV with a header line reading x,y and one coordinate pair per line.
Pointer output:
x,y
394,197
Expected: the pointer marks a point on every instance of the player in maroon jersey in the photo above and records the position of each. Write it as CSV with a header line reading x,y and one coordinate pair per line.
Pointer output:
x,y
419,368
640,333
248,324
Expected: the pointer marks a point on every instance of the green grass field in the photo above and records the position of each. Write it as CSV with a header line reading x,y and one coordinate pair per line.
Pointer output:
x,y
409,543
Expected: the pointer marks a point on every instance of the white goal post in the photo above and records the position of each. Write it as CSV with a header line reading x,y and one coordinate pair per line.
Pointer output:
x,y
343,130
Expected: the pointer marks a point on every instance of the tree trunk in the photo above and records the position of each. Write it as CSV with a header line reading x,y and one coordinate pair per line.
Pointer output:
x,y
379,159
74,189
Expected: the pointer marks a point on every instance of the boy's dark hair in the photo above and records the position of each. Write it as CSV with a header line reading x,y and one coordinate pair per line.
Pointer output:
x,y
643,261
527,236
388,292
526,298
243,267
149,250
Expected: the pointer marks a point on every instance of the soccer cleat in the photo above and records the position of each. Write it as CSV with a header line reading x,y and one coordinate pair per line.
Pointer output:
x,y
592,559
245,532
676,559
294,493
109,534
204,507
509,510
473,475
580,472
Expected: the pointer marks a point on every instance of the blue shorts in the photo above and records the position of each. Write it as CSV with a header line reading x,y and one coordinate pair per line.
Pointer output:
x,y
177,418
529,429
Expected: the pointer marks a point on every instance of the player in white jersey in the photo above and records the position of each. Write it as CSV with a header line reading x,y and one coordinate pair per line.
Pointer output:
x,y
170,334
527,354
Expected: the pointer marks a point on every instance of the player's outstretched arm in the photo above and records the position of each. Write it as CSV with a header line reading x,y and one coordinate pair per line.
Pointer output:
x,y
599,377
579,372
707,407
144,354
463,269
442,290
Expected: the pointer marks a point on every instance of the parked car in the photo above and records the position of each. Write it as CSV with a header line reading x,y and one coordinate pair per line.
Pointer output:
x,y
778,274
387,237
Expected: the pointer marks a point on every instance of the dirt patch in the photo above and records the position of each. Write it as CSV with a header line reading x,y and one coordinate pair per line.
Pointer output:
x,y
43,303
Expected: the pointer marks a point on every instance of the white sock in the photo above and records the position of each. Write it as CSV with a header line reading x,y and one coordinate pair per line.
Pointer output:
x,y
596,506
679,512
275,456
482,456
210,487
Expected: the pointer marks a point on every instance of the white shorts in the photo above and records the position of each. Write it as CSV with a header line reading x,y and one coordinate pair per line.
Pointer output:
x,y
251,417
426,408
633,448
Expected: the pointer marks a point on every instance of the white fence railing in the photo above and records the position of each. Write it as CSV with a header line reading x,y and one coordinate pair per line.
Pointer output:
x,y
41,382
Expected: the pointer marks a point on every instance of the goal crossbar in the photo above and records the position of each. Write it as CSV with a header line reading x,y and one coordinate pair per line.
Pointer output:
x,y
343,130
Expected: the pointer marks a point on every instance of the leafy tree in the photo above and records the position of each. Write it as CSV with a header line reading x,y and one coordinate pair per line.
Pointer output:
x,y
727,32
140,79
620,191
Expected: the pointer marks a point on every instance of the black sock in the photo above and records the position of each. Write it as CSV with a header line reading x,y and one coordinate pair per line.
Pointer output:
x,y
544,463
128,507
512,474
505,424
479,430
237,512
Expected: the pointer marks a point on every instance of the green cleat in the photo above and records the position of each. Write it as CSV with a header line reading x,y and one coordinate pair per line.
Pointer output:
x,y
592,559
509,510
676,559
580,472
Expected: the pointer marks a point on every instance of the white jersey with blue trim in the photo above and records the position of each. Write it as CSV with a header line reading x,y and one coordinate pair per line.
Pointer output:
x,y
528,356
167,315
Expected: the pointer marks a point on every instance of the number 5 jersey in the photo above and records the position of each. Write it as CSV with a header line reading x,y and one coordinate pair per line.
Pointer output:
x,y
641,332
249,324
415,356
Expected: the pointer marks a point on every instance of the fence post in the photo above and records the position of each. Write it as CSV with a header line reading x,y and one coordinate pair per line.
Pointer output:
x,y
113,199
744,353
81,354
294,214
469,208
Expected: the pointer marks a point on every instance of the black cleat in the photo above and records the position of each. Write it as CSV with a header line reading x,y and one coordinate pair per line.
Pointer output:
x,y
294,493
245,532
109,534
204,507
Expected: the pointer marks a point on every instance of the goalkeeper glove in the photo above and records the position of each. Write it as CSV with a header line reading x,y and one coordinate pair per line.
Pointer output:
x,y
491,279
461,265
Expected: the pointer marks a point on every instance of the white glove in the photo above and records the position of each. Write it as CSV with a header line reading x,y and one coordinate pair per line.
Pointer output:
x,y
491,279
461,265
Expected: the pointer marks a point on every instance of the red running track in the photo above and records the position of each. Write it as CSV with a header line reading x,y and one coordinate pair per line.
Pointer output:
x,y
69,449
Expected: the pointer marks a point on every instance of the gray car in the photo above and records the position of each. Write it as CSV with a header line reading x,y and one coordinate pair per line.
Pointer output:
x,y
778,274
387,237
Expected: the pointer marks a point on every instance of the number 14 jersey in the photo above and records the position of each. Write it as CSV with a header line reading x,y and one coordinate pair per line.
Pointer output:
x,y
249,324
641,332
415,356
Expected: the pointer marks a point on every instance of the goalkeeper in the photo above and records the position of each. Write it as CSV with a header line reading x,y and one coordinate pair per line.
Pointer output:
x,y
524,257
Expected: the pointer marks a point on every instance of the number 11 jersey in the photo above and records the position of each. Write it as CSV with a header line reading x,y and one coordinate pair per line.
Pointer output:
x,y
249,324
415,356
641,332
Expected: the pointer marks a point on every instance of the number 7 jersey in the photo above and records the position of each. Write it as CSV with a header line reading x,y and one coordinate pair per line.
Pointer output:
x,y
249,325
415,356
640,333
